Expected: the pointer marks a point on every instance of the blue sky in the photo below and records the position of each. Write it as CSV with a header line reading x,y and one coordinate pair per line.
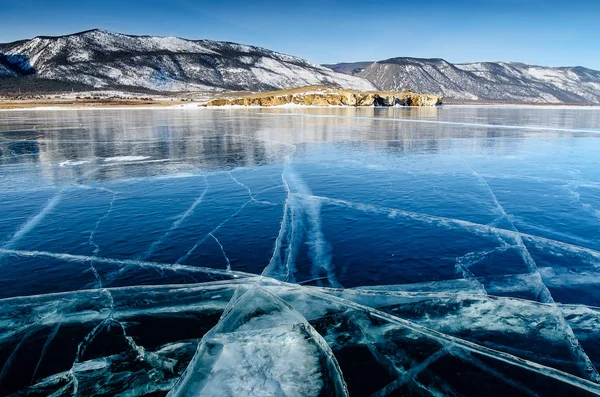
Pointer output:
x,y
554,33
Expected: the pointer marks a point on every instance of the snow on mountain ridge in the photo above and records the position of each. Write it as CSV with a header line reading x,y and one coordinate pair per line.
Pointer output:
x,y
489,81
103,59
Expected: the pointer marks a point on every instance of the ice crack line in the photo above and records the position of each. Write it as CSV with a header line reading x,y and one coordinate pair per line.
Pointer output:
x,y
586,365
300,206
275,262
178,222
463,344
7,365
220,225
572,190
249,191
412,373
463,263
107,323
119,262
453,223
480,364
222,250
93,243
34,221
293,240
44,349
111,302
191,251
319,249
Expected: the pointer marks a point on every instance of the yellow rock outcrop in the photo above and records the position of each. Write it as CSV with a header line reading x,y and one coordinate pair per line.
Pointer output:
x,y
325,96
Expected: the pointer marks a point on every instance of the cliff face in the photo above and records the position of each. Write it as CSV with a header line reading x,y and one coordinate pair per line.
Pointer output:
x,y
331,97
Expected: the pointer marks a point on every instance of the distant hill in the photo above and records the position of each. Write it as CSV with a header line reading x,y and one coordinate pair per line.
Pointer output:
x,y
99,58
108,60
481,81
352,68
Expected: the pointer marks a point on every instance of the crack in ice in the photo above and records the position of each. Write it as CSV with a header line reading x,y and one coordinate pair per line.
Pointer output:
x,y
122,262
49,339
92,242
191,251
220,225
412,373
34,221
222,250
578,354
463,263
445,339
275,263
177,222
454,223
8,363
299,203
572,190
254,199
480,364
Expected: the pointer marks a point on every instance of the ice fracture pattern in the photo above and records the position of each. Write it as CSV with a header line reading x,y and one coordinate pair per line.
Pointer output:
x,y
300,252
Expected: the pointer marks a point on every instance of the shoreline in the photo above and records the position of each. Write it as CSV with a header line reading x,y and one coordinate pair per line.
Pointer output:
x,y
21,105
10,106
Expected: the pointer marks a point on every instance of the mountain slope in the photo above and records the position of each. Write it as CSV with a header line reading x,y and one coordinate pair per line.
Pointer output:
x,y
351,68
102,59
488,81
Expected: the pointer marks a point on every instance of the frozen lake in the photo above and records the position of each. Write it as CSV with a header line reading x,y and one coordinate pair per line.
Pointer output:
x,y
334,251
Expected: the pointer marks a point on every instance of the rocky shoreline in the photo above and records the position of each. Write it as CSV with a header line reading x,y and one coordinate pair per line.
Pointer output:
x,y
323,96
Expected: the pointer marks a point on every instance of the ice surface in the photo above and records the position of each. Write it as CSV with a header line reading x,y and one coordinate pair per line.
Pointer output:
x,y
33,221
261,346
260,332
523,328
302,214
206,252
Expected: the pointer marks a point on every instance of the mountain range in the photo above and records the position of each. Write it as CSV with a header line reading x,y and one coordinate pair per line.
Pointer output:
x,y
99,58
481,81
107,60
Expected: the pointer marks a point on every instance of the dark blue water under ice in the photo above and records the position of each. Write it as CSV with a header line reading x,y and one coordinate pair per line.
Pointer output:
x,y
401,251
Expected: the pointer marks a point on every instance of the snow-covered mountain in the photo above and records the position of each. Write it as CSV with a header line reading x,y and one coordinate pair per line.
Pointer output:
x,y
486,81
101,58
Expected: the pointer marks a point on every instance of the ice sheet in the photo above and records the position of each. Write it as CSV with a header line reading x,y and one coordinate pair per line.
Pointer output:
x,y
205,252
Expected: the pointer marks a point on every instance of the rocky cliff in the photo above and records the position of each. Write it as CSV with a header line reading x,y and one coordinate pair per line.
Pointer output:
x,y
325,96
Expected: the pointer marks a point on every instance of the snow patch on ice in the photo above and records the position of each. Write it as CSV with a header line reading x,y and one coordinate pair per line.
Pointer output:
x,y
69,163
125,158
